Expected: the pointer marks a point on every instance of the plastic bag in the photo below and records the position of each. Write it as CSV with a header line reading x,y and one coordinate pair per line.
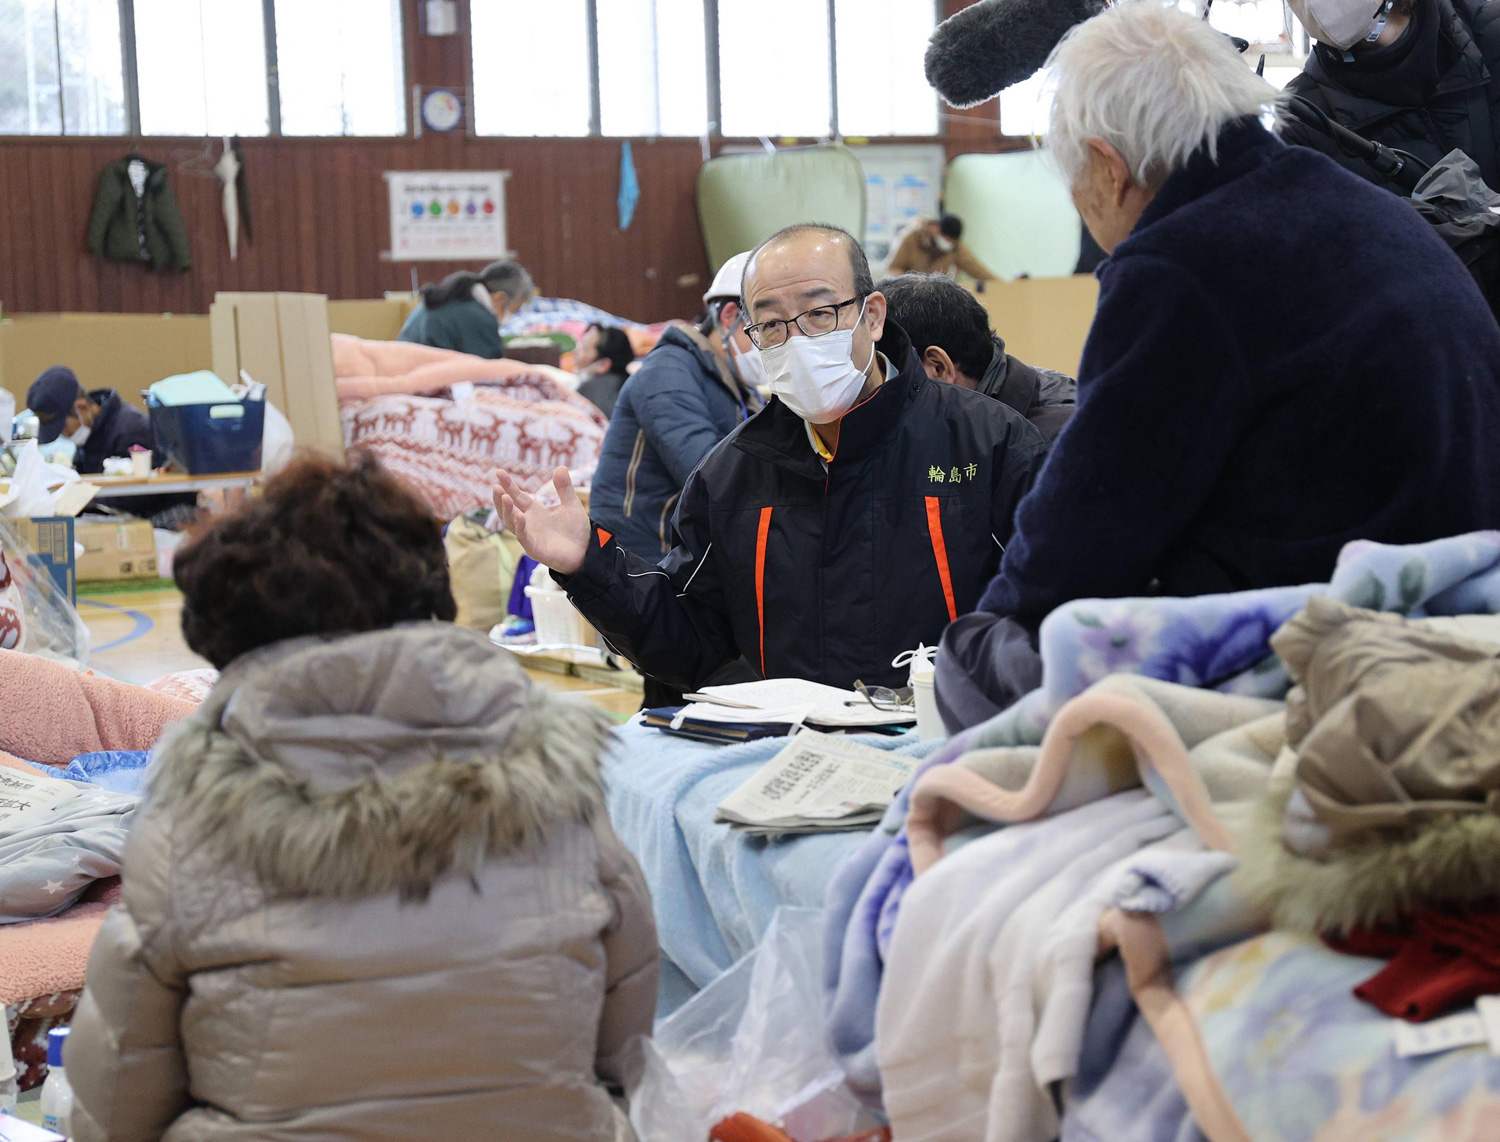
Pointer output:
x,y
751,1042
52,626
277,444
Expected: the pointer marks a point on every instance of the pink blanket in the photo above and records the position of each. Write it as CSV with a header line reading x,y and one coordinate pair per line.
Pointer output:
x,y
47,956
52,714
366,369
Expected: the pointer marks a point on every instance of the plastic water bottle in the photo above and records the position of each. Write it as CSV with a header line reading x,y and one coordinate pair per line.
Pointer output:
x,y
9,1085
57,1092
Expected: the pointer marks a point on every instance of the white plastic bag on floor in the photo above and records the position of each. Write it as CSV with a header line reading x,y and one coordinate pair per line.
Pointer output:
x,y
52,626
750,1042
277,444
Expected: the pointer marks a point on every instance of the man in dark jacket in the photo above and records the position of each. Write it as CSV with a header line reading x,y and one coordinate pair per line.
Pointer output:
x,y
693,389
1422,76
1284,358
848,521
99,423
951,333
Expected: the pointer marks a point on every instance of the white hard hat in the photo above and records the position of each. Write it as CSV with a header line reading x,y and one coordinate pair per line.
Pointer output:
x,y
730,278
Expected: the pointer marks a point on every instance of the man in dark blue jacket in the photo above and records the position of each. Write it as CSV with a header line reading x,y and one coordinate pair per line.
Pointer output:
x,y
99,423
851,519
695,387
1284,358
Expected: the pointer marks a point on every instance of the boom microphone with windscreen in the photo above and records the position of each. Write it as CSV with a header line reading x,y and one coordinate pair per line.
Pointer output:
x,y
990,45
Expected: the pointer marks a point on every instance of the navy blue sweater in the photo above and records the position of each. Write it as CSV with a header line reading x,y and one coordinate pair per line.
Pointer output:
x,y
1284,358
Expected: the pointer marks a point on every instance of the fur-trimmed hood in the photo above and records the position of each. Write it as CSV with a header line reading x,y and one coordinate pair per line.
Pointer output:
x,y
378,762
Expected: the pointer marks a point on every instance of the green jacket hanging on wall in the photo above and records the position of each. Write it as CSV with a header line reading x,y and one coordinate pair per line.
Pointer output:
x,y
136,217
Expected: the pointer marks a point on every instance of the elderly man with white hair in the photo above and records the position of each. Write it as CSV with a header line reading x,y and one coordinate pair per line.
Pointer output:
x,y
1284,358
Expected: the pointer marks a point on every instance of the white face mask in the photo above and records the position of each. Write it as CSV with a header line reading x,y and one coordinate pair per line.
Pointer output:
x,y
816,377
750,366
944,246
81,437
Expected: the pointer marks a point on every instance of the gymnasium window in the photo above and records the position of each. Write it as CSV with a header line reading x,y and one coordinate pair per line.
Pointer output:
x,y
61,69
882,87
686,67
774,67
339,67
653,78
532,67
202,67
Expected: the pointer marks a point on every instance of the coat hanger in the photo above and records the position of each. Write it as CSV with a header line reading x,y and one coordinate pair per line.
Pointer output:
x,y
197,162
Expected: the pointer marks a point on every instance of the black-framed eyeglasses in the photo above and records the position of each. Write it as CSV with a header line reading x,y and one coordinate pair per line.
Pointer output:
x,y
817,322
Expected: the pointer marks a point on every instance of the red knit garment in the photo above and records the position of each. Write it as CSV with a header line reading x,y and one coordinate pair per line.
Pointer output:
x,y
1438,961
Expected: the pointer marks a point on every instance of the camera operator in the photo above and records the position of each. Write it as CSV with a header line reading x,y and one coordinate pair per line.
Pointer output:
x,y
1420,76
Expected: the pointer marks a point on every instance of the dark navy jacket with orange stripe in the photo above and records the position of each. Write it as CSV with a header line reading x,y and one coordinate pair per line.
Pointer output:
x,y
823,573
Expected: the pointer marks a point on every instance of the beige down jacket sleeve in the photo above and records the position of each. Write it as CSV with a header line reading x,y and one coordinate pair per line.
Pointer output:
x,y
127,1046
631,954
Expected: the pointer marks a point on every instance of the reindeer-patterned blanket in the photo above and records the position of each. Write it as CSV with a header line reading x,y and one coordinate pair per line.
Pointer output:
x,y
445,449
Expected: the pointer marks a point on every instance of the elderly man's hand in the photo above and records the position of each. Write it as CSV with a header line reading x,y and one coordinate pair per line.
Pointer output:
x,y
557,536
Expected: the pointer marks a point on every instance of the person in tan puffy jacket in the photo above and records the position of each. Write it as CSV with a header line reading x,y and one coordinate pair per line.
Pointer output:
x,y
372,892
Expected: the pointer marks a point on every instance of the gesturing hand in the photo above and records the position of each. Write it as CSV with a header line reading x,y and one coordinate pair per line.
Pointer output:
x,y
555,536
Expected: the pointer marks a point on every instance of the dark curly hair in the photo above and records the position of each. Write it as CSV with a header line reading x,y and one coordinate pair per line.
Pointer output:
x,y
328,549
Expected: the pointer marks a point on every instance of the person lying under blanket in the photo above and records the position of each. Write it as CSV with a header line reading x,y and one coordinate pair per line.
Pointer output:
x,y
852,518
1284,358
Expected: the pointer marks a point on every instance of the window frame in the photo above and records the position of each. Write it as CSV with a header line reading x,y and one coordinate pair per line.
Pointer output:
x,y
130,75
715,109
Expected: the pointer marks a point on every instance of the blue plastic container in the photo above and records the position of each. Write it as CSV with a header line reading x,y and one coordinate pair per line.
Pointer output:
x,y
209,438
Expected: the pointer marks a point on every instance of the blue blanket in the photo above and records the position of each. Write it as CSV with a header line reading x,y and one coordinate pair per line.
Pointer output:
x,y
715,890
1217,641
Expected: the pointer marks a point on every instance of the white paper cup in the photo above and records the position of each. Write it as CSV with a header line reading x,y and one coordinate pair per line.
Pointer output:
x,y
140,463
929,721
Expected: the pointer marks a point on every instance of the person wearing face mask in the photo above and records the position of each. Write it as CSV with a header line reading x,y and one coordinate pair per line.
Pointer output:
x,y
692,390
1420,76
936,246
98,422
1284,359
463,312
854,517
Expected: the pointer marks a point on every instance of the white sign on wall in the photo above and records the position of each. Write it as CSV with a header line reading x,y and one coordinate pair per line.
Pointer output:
x,y
447,216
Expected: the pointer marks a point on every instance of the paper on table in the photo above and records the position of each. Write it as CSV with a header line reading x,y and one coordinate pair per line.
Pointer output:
x,y
824,705
818,778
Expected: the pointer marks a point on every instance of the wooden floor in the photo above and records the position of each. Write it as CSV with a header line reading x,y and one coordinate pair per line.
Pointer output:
x,y
138,638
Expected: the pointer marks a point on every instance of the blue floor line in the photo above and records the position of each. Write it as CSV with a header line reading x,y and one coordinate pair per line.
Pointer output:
x,y
143,624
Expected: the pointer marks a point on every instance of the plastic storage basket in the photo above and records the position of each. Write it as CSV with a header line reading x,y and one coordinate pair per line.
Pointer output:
x,y
209,438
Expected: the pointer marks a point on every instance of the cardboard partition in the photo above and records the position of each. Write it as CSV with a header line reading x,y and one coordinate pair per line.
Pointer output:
x,y
1044,321
115,549
127,352
282,341
379,319
51,542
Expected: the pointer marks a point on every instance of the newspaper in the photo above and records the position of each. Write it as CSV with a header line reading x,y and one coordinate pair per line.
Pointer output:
x,y
819,783
25,798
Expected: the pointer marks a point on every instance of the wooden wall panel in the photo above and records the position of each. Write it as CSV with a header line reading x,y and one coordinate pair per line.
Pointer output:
x,y
318,209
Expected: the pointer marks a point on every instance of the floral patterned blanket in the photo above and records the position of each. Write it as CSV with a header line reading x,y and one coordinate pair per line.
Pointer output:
x,y
1215,641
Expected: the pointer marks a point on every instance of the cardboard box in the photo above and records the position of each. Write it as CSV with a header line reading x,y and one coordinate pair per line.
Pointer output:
x,y
115,549
126,352
282,341
51,543
1044,321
